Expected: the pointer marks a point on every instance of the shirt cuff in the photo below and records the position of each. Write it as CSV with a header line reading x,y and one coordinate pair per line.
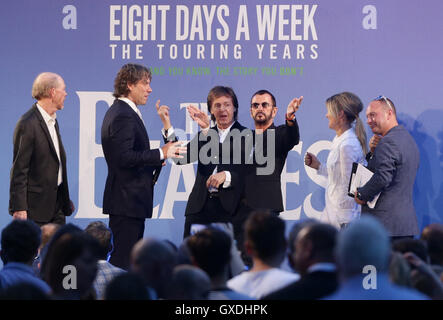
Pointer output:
x,y
227,182
162,156
170,132
322,170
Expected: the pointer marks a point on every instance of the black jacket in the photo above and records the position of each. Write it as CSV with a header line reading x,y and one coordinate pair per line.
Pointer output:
x,y
34,173
264,191
131,163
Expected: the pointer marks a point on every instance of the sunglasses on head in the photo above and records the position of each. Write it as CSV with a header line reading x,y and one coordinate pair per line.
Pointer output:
x,y
382,97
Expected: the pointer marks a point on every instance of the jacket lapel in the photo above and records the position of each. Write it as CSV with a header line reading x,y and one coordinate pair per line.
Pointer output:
x,y
46,131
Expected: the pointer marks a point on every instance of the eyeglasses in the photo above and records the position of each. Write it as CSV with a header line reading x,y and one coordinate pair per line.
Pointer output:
x,y
222,106
386,100
264,105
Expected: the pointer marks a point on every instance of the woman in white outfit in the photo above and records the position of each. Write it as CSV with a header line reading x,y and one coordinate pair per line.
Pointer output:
x,y
348,146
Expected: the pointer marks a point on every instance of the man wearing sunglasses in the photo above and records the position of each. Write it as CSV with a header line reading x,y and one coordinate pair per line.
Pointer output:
x,y
394,161
263,187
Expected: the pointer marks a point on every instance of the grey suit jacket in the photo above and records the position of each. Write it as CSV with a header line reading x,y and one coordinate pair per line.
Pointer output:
x,y
394,163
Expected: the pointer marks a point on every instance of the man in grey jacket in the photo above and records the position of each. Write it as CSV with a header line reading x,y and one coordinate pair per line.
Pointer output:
x,y
394,161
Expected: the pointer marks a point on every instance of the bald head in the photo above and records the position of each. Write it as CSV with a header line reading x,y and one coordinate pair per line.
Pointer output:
x,y
381,116
44,83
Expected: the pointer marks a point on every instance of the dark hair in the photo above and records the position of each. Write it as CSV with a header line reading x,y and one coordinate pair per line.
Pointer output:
x,y
434,239
418,247
262,92
20,241
266,233
127,286
68,228
211,250
64,251
99,231
220,91
130,73
323,238
295,230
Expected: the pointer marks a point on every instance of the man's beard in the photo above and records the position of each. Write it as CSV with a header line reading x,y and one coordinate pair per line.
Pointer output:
x,y
263,120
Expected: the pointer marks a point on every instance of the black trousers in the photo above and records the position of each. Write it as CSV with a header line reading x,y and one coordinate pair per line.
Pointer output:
x,y
212,212
59,217
126,232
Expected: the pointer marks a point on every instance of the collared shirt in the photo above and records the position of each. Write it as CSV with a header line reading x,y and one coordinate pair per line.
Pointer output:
x,y
50,123
15,272
105,273
222,134
137,111
345,150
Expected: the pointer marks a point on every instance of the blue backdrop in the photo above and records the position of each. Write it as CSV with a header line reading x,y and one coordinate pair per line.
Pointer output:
x,y
310,48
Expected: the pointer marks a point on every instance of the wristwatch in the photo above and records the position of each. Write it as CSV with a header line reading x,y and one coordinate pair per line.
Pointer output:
x,y
359,196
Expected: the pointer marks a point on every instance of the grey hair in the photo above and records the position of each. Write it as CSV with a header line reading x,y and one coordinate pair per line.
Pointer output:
x,y
43,83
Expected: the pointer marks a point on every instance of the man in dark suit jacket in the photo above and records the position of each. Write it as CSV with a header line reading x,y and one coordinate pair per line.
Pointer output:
x,y
128,195
39,183
218,184
395,163
313,258
263,179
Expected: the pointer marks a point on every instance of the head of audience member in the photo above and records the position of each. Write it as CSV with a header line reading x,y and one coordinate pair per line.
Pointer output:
x,y
418,247
189,283
20,241
99,231
425,284
48,231
364,242
23,291
343,110
315,243
433,236
265,240
133,81
210,250
183,253
154,260
127,286
49,90
68,228
381,115
293,233
223,106
71,265
399,270
263,109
